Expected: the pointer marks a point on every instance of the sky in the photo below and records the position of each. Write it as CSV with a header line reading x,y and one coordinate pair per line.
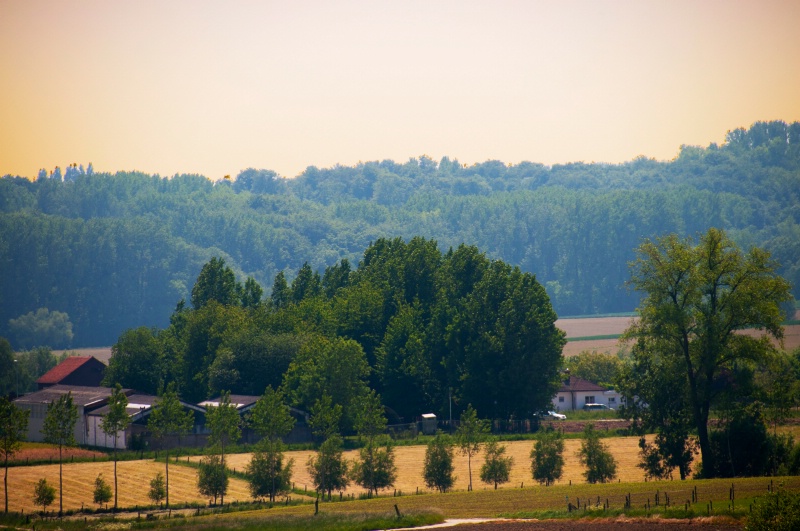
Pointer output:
x,y
215,87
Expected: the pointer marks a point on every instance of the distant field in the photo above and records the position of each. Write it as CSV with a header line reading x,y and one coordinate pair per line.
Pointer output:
x,y
605,326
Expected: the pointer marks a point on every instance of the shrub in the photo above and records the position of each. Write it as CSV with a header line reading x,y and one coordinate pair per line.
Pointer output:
x,y
777,511
102,491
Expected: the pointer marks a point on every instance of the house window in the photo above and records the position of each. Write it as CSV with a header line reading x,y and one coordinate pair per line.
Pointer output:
x,y
589,400
612,400
560,399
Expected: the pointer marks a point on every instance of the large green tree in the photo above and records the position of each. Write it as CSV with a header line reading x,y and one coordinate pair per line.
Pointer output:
x,y
696,298
13,426
334,367
216,282
136,361
59,429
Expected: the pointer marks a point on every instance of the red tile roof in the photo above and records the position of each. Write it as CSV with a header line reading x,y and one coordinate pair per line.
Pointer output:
x,y
63,369
579,384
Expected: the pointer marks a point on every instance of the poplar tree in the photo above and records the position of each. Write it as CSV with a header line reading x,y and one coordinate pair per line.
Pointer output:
x,y
59,429
168,419
115,421
13,425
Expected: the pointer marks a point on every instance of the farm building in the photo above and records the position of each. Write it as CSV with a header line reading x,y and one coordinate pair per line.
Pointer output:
x,y
139,408
75,370
244,403
575,392
86,399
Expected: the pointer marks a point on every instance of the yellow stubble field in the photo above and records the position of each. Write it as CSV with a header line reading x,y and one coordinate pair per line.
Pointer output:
x,y
133,478
410,460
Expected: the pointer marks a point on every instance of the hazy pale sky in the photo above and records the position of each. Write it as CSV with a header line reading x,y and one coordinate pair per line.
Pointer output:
x,y
214,87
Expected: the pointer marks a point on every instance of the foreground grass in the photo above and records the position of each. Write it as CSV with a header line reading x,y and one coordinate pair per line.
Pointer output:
x,y
261,520
672,499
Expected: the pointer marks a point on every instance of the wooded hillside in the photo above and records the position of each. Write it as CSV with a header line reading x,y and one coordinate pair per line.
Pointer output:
x,y
116,251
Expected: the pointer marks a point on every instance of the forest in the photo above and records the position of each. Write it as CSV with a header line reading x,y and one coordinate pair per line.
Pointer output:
x,y
114,252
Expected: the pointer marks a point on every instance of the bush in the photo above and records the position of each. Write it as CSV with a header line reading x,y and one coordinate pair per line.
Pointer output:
x,y
777,511
43,494
102,491
158,490
744,448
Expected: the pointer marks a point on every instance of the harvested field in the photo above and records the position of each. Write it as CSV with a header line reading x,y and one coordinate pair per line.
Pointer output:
x,y
410,459
133,477
604,326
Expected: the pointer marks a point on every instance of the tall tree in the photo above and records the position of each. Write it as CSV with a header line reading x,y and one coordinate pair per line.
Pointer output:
x,y
215,282
470,435
13,426
375,469
696,298
252,292
595,456
115,421
547,457
169,420
225,424
496,467
136,361
59,429
437,470
328,468
280,291
270,418
335,367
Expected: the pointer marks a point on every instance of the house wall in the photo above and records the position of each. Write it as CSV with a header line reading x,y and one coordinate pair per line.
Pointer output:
x,y
563,400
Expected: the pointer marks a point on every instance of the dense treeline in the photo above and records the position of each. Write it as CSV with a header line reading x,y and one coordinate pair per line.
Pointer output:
x,y
116,251
418,326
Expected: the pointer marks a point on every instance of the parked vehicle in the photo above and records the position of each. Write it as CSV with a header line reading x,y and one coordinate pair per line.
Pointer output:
x,y
552,415
597,407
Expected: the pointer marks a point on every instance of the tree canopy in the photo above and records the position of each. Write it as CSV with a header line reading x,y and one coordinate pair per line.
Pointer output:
x,y
696,298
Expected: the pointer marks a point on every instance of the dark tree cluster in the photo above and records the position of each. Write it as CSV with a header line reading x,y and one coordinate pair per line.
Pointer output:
x,y
410,322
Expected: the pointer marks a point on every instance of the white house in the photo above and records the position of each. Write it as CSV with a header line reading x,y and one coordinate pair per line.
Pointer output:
x,y
575,392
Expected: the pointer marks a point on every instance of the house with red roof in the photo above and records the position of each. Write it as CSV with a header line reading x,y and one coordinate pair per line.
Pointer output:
x,y
85,371
575,393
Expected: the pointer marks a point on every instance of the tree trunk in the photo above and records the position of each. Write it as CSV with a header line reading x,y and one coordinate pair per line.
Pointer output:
x,y
60,484
5,484
167,480
115,473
